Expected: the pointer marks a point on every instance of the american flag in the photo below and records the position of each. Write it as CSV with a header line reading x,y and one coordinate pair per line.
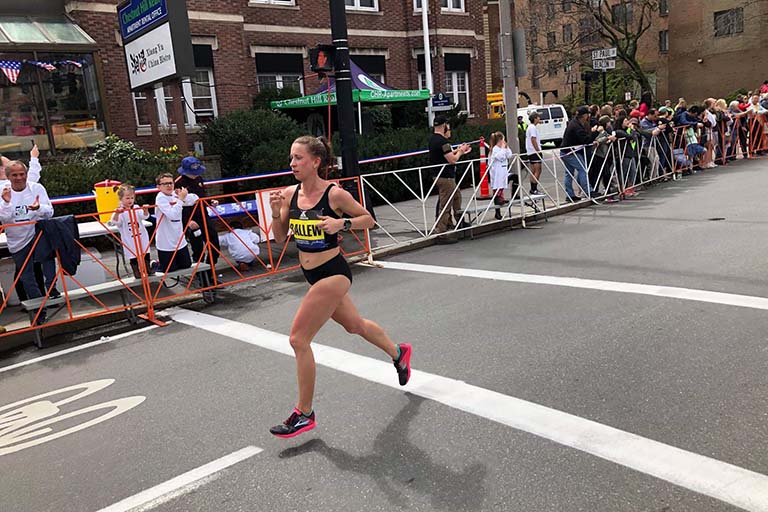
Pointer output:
x,y
11,69
45,65
70,63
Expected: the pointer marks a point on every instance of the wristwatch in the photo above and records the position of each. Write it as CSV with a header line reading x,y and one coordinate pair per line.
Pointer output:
x,y
347,225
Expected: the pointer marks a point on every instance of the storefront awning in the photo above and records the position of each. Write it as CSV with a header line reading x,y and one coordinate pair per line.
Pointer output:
x,y
42,31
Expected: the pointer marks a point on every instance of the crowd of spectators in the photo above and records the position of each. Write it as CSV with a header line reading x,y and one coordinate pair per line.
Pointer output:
x,y
619,146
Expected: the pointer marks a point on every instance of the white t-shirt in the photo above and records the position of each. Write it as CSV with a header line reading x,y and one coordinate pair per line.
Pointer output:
x,y
127,230
530,133
241,244
17,211
170,231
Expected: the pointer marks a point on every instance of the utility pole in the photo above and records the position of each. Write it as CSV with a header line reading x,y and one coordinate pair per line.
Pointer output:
x,y
506,16
345,107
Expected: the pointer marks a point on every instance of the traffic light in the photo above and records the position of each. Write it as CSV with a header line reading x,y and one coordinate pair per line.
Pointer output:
x,y
321,58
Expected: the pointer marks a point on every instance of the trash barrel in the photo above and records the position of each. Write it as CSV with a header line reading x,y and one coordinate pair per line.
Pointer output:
x,y
106,198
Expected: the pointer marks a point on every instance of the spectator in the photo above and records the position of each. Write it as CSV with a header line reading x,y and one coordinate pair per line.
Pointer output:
x,y
756,130
576,137
498,163
443,157
199,228
24,202
129,218
600,167
242,245
764,88
533,150
738,130
626,156
172,251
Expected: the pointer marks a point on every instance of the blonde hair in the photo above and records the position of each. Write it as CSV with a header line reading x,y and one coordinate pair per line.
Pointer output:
x,y
681,103
721,104
125,188
496,137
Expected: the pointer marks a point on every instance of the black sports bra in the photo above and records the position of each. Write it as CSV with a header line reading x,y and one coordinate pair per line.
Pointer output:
x,y
308,235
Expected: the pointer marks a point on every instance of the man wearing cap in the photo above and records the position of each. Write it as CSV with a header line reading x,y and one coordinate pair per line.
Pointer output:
x,y
191,178
577,135
443,158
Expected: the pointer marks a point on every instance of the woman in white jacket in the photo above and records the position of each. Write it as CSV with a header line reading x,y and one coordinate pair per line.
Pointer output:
x,y
498,162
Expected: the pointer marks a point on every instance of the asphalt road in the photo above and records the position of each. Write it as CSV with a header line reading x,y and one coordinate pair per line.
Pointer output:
x,y
688,374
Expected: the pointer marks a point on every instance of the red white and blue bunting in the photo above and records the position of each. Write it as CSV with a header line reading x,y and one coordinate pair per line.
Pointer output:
x,y
12,68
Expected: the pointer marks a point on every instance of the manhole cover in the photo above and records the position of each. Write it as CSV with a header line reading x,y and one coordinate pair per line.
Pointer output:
x,y
716,218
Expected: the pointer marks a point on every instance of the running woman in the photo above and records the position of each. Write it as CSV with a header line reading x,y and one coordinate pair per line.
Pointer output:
x,y
315,211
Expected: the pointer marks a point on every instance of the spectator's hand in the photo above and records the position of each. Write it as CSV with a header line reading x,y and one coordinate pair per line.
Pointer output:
x,y
655,132
146,210
194,226
5,160
35,205
6,195
465,148
700,125
329,225
612,138
118,211
600,128
594,128
182,193
34,152
214,203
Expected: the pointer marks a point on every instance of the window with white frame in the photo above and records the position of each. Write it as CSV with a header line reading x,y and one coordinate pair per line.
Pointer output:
x,y
198,96
452,5
457,87
362,5
280,71
273,2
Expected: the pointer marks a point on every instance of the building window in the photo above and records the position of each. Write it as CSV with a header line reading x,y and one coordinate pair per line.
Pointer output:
x,y
362,5
551,40
664,41
452,5
535,77
273,2
567,4
622,14
567,33
373,65
663,7
198,95
457,87
280,71
729,22
552,68
550,8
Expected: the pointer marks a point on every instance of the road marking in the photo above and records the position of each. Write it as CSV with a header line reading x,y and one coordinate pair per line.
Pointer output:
x,y
182,484
96,343
728,299
720,480
27,423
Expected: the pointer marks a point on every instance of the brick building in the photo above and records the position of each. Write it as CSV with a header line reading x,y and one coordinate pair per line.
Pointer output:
x,y
244,46
692,49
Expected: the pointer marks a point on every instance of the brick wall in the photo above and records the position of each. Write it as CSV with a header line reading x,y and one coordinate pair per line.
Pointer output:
x,y
395,29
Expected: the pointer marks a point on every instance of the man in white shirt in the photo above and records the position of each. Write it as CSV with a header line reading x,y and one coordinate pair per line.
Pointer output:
x,y
172,251
533,148
242,246
24,202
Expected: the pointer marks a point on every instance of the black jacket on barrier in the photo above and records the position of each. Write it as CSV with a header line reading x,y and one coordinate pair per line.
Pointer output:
x,y
62,234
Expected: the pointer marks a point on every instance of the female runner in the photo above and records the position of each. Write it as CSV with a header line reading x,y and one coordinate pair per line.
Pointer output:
x,y
314,210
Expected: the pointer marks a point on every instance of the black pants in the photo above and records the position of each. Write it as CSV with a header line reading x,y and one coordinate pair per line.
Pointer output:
x,y
170,260
135,266
598,164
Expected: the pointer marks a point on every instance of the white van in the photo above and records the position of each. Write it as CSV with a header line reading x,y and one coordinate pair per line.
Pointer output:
x,y
553,121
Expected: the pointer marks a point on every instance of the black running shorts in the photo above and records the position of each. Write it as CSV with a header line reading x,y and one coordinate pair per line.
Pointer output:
x,y
336,266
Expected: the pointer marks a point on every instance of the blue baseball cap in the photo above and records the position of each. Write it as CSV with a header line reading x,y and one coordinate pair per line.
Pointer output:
x,y
191,166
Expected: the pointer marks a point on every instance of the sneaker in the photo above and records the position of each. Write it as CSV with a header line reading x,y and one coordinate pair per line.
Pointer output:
x,y
296,424
403,364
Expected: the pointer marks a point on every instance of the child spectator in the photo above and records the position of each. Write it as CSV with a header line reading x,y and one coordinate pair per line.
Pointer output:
x,y
242,246
169,239
498,162
129,219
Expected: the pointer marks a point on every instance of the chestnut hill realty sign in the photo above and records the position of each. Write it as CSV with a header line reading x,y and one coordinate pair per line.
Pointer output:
x,y
156,41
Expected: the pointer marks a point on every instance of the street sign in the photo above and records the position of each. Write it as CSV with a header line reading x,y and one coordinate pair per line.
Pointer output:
x,y
605,53
627,96
441,100
603,64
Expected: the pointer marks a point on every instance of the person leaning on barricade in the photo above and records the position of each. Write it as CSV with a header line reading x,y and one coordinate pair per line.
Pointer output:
x,y
601,167
172,251
577,135
129,218
756,112
24,202
443,158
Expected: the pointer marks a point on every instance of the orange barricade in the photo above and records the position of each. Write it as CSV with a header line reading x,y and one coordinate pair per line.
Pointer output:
x,y
758,134
144,294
